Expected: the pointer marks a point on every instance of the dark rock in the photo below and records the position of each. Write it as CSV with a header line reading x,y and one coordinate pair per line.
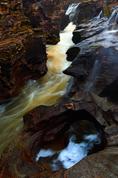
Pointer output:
x,y
96,70
55,123
22,59
64,22
23,23
92,28
86,11
110,91
72,53
48,127
103,164
25,28
22,51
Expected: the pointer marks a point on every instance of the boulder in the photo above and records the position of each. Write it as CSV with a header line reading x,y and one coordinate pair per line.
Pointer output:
x,y
103,164
48,127
96,71
93,27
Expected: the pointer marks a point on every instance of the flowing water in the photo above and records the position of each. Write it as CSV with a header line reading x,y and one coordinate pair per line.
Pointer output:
x,y
47,91
71,154
71,11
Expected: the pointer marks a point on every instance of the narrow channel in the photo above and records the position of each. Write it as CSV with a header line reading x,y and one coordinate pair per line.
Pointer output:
x,y
47,91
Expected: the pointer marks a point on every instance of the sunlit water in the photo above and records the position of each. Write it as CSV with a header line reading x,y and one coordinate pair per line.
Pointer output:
x,y
47,91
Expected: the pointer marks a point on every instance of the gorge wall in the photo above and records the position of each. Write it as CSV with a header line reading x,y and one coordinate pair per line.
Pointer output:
x,y
25,29
91,101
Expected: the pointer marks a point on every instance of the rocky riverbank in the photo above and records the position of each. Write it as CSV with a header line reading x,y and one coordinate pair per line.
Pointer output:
x,y
90,104
25,29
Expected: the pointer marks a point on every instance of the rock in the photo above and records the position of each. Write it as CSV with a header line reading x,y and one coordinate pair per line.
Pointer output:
x,y
94,60
49,130
96,23
22,51
22,58
89,107
41,21
72,53
94,68
96,71
64,22
25,28
54,123
103,164
92,28
92,9
23,23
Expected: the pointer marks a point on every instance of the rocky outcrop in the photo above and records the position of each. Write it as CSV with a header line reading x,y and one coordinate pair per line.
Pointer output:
x,y
89,107
92,28
94,68
56,122
96,71
25,28
103,164
50,130
22,51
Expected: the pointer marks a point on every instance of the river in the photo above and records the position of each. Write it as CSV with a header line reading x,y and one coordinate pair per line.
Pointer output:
x,y
47,91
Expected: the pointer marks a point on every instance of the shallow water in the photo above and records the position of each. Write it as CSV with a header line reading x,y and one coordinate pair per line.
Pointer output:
x,y
47,91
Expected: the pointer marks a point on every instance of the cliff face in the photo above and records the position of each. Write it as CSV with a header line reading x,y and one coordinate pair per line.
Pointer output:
x,y
25,28
22,51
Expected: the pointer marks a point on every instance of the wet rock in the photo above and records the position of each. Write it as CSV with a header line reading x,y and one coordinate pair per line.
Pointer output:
x,y
22,51
25,24
41,21
56,121
21,59
95,59
92,28
94,68
92,9
96,71
47,127
72,53
64,22
103,165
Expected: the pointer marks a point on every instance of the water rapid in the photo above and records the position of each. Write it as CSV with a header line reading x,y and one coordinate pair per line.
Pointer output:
x,y
47,91
70,155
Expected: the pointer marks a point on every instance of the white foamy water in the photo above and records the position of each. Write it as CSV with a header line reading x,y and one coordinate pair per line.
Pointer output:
x,y
113,17
72,154
71,11
99,15
72,8
44,153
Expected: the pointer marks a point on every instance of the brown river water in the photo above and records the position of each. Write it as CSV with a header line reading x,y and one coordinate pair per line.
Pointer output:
x,y
47,91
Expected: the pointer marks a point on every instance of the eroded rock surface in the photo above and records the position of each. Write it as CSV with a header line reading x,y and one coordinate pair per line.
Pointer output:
x,y
92,98
25,28
22,51
94,68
